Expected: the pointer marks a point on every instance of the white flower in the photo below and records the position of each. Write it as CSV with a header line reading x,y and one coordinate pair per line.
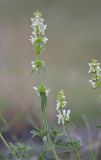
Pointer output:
x,y
38,38
57,104
66,115
98,69
34,66
41,90
38,64
60,104
42,28
36,89
93,83
60,117
45,39
63,116
90,69
47,91
94,67
32,39
38,22
45,140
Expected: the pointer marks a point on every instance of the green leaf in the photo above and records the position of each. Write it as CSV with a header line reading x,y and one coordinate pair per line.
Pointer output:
x,y
43,101
42,156
58,138
19,150
55,133
99,126
35,133
68,146
38,132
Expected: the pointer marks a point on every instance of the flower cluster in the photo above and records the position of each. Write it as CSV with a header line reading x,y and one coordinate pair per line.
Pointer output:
x,y
95,70
37,64
61,103
42,90
38,37
63,115
38,40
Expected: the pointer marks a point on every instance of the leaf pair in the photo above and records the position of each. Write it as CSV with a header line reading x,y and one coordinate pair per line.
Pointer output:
x,y
38,132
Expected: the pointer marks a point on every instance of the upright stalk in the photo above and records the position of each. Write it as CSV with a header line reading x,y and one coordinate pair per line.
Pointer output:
x,y
77,154
48,135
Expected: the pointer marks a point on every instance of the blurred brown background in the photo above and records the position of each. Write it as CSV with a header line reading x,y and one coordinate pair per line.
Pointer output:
x,y
74,33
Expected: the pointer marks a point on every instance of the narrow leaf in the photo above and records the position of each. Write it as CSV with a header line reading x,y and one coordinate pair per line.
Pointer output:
x,y
98,126
43,101
69,146
42,156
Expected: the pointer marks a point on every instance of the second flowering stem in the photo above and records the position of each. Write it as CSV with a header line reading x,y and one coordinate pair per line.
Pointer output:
x,y
74,145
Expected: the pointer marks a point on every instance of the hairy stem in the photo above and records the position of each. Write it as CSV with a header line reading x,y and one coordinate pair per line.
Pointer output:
x,y
77,154
48,135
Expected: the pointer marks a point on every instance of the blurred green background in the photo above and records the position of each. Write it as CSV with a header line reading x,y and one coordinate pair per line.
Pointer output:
x,y
74,33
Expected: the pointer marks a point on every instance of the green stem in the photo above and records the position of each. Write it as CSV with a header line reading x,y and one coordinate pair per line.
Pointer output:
x,y
5,142
78,156
48,135
45,119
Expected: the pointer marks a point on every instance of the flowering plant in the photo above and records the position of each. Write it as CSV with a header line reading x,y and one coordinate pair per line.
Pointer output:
x,y
39,40
58,136
95,71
